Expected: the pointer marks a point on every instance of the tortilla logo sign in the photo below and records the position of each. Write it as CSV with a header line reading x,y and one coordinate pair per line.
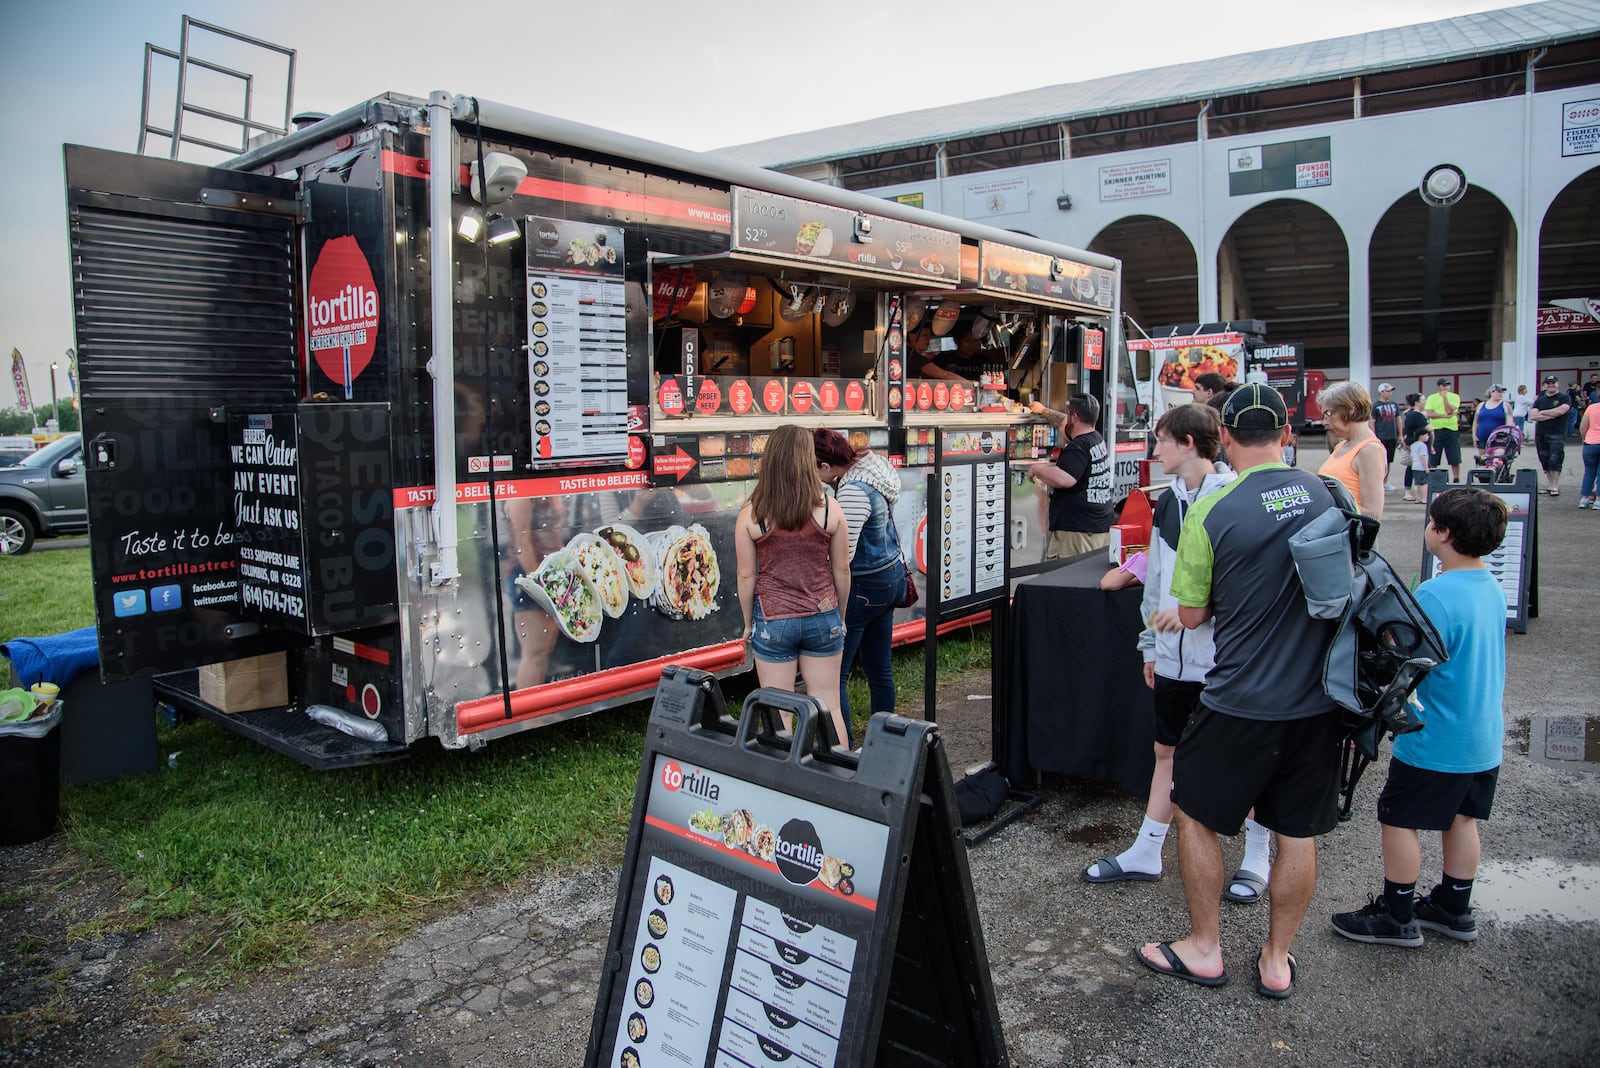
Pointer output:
x,y
342,309
799,852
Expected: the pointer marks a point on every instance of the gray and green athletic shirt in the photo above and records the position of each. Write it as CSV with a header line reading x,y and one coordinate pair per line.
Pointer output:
x,y
1234,555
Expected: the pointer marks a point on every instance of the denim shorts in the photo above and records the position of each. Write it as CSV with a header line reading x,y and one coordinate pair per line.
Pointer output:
x,y
780,641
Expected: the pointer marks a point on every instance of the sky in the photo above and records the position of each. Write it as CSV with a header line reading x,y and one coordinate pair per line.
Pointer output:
x,y
689,73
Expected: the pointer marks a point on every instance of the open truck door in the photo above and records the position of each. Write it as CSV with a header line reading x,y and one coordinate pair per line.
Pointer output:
x,y
184,299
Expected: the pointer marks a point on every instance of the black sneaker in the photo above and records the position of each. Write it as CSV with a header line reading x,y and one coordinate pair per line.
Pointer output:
x,y
1463,928
1374,924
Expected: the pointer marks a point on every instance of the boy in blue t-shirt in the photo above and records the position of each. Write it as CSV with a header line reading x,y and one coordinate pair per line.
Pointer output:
x,y
1442,777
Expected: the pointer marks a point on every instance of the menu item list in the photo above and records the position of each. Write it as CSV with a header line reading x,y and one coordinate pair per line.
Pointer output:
x,y
971,507
578,367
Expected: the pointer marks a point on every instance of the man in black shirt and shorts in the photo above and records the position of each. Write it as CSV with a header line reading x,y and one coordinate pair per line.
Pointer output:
x,y
1080,481
1266,734
1549,417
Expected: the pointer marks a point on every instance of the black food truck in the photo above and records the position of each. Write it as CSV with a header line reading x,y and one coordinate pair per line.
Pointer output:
x,y
448,407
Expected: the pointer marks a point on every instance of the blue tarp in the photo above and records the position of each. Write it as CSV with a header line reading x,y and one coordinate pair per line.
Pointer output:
x,y
58,659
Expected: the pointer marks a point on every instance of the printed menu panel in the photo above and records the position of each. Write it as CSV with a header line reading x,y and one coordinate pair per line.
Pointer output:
x,y
747,930
577,343
971,503
1511,561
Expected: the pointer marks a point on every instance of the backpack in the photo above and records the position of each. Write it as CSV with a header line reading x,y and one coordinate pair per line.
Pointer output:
x,y
1384,643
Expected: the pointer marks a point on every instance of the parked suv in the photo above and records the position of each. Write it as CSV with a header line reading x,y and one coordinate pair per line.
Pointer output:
x,y
43,494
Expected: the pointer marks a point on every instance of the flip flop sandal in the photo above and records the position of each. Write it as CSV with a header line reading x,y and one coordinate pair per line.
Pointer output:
x,y
1113,873
1177,969
1256,883
1266,991
1555,493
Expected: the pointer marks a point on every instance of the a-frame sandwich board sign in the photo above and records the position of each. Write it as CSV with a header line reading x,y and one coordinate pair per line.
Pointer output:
x,y
783,901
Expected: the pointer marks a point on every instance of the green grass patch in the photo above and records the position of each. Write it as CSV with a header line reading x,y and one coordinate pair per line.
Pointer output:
x,y
44,593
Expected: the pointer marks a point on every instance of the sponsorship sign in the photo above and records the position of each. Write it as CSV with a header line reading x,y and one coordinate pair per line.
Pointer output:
x,y
1580,127
1130,181
1009,197
19,379
1285,165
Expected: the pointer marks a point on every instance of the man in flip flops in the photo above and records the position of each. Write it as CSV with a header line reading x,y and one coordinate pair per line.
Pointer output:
x,y
1266,735
1176,660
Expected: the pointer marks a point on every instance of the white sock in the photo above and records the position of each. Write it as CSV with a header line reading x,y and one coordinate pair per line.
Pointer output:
x,y
1145,853
1257,849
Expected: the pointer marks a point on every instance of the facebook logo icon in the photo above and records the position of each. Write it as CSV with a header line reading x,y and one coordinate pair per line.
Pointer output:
x,y
166,598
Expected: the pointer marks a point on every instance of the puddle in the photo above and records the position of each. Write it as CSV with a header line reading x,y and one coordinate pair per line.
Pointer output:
x,y
1564,741
1538,889
1092,833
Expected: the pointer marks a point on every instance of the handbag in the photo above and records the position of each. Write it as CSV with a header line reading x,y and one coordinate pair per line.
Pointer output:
x,y
909,597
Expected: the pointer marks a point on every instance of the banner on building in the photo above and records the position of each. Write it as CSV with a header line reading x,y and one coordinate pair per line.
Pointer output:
x,y
1574,316
1580,127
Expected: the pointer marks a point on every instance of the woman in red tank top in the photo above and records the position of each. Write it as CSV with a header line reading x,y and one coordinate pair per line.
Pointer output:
x,y
794,573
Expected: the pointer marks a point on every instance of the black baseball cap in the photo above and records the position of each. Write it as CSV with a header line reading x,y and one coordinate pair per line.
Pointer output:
x,y
1255,406
1551,378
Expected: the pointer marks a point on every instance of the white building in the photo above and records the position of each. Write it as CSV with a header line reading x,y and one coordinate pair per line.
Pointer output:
x,y
1285,186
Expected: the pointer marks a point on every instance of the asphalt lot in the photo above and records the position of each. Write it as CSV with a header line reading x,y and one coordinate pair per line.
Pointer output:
x,y
513,980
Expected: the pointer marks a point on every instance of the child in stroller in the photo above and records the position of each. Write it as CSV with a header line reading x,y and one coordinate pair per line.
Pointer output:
x,y
1500,451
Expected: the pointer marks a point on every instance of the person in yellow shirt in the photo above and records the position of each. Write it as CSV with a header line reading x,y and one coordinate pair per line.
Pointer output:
x,y
1441,411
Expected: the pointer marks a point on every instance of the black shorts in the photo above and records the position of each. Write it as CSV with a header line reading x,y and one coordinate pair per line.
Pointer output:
x,y
1287,770
1446,446
1424,800
1552,450
1175,702
1389,445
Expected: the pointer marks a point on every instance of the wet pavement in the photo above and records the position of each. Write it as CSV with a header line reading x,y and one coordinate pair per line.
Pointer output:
x,y
512,980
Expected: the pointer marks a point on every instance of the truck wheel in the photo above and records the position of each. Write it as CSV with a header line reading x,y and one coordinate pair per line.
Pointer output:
x,y
16,533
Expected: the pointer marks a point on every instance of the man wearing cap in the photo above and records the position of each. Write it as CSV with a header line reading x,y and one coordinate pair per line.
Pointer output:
x,y
1386,425
1441,409
1549,417
1265,733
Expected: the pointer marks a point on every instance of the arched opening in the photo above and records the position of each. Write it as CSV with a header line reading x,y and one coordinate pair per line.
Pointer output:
x,y
1569,273
1158,269
1467,256
1286,262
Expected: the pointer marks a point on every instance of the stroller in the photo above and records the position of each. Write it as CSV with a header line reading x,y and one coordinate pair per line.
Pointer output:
x,y
1500,452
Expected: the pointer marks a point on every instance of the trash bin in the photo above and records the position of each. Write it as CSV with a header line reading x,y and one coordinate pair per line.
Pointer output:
x,y
30,777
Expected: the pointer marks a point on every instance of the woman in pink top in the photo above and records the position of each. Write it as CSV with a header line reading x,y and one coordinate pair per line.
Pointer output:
x,y
1589,434
1358,459
794,573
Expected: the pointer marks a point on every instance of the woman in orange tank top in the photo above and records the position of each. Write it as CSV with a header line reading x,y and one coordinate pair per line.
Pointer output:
x,y
1358,459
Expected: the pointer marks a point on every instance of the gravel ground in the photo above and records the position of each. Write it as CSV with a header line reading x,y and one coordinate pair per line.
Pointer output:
x,y
512,978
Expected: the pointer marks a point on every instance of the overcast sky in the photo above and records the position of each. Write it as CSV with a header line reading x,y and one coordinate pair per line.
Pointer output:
x,y
691,72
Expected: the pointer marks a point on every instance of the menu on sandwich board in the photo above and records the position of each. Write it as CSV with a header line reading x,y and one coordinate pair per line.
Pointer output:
x,y
762,892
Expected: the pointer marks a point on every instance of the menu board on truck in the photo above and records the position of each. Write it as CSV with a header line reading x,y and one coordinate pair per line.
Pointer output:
x,y
968,560
577,342
826,236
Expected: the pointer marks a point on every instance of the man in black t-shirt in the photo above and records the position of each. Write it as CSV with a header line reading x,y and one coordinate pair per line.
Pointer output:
x,y
1549,417
1080,481
1386,425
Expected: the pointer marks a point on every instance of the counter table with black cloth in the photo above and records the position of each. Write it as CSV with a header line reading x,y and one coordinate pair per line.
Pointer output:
x,y
1078,704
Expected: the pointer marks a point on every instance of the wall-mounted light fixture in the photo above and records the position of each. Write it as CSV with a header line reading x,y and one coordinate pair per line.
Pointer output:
x,y
470,225
503,231
1443,185
1063,202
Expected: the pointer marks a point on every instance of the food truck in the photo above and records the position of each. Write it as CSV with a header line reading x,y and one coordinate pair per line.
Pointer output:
x,y
434,416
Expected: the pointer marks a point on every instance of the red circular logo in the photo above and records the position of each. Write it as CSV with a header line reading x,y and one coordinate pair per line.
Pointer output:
x,y
709,399
740,398
371,703
772,395
894,398
635,452
342,310
855,398
800,396
671,776
671,397
828,396
958,396
941,395
925,396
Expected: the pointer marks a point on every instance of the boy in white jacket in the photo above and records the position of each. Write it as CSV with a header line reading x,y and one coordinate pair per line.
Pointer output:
x,y
1176,660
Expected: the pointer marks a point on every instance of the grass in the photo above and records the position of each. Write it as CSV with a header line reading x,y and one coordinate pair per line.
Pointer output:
x,y
259,854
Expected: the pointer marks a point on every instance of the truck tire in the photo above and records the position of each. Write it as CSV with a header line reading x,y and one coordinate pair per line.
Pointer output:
x,y
16,532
